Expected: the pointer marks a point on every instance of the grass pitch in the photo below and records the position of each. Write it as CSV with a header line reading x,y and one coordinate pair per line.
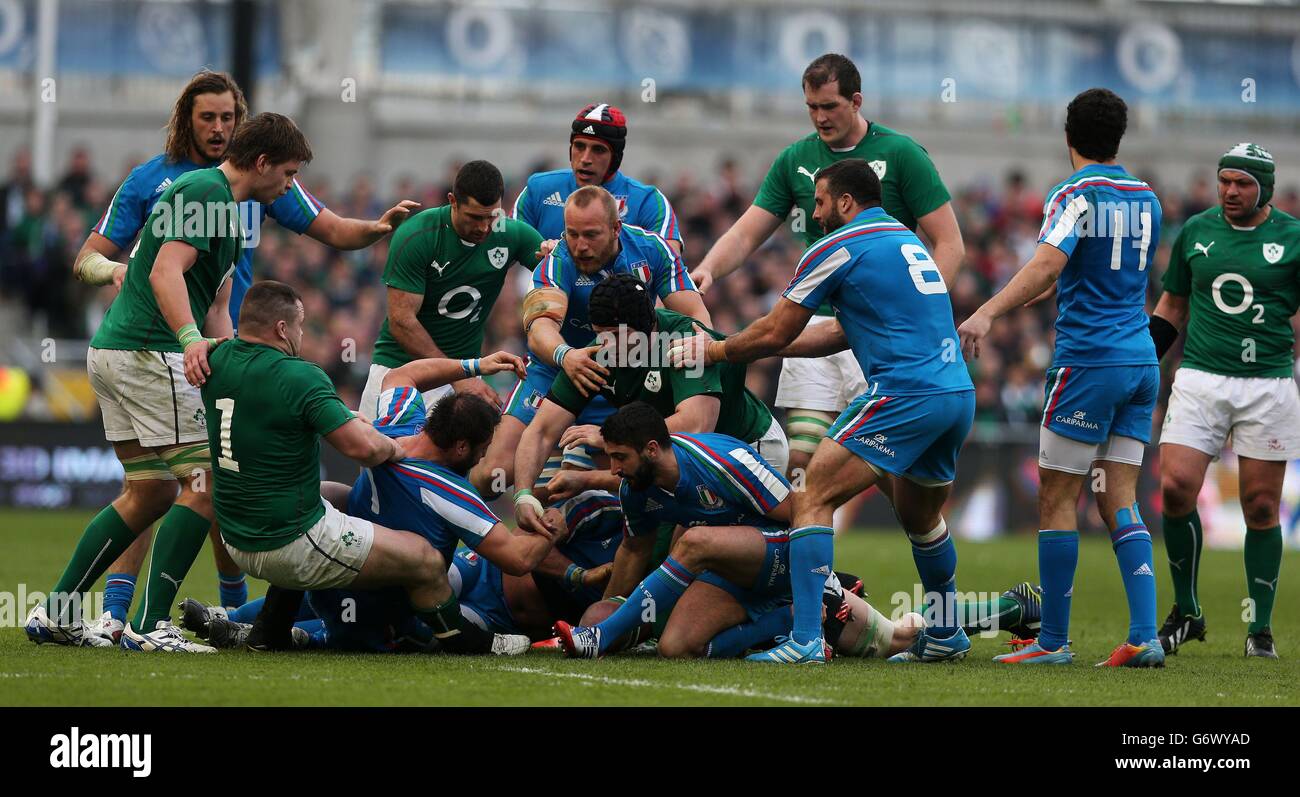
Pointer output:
x,y
37,544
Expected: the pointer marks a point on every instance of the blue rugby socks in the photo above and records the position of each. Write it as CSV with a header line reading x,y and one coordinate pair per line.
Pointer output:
x,y
1132,543
1058,556
812,555
653,598
936,564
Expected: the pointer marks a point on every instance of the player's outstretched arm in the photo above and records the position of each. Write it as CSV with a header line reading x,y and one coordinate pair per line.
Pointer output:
x,y
358,441
763,338
946,247
818,340
516,553
434,372
333,230
754,227
96,263
1037,276
1169,318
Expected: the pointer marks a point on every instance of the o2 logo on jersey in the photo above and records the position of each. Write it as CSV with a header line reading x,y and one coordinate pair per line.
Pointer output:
x,y
1247,296
465,312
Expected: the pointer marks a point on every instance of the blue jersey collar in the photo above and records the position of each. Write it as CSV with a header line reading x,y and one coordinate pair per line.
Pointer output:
x,y
870,214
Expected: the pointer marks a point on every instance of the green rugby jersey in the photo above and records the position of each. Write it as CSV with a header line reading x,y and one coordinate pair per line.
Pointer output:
x,y
198,209
1243,287
266,414
909,184
459,281
663,387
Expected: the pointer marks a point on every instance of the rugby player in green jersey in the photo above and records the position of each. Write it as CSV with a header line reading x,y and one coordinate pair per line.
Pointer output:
x,y
444,273
204,119
814,391
1233,284
269,411
147,363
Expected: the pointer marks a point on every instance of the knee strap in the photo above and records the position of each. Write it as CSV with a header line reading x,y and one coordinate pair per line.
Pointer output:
x,y
183,461
146,467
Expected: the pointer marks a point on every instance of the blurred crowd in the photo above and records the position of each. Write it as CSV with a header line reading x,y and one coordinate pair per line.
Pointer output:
x,y
41,231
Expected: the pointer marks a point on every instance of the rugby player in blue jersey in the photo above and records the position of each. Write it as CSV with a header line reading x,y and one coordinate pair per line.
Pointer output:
x,y
596,244
894,313
1101,227
596,143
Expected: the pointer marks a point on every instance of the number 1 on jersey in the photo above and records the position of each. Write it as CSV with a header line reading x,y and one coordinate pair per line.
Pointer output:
x,y
1117,233
226,407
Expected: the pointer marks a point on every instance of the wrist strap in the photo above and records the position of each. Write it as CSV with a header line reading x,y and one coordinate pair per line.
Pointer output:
x,y
560,351
188,334
719,353
573,575
527,498
471,367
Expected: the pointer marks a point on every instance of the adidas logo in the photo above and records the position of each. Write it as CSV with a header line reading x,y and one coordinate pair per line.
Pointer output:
x,y
554,200
583,279
824,570
163,185
1069,593
651,505
589,130
1144,570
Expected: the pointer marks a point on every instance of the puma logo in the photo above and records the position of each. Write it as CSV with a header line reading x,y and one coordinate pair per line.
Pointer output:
x,y
811,175
1203,248
1272,585
1177,564
178,584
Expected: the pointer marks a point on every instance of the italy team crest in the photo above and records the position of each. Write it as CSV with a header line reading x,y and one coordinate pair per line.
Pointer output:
x,y
497,256
708,498
1273,252
622,206
642,272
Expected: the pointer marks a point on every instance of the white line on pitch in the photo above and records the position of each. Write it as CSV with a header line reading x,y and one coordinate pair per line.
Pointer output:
x,y
734,691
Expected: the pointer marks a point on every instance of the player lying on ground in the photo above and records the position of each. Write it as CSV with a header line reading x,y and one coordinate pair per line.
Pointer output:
x,y
269,411
908,428
146,363
445,270
1234,283
596,244
633,336
1100,227
382,620
203,123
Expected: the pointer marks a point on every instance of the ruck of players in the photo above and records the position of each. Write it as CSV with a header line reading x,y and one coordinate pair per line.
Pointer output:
x,y
660,506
